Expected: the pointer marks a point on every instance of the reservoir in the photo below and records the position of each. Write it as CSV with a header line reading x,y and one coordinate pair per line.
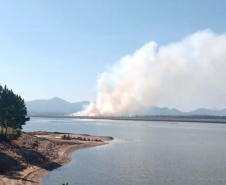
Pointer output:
x,y
142,153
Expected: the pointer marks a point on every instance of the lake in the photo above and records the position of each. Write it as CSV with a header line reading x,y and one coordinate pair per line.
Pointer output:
x,y
143,153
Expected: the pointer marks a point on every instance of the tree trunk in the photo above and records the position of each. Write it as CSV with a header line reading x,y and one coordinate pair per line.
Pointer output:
x,y
1,129
6,130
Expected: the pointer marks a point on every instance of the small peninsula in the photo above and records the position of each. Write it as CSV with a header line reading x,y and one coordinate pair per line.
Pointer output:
x,y
27,159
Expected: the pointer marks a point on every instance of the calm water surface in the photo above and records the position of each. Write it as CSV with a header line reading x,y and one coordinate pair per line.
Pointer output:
x,y
143,153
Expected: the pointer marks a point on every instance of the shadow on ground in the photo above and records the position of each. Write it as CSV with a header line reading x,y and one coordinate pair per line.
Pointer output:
x,y
21,158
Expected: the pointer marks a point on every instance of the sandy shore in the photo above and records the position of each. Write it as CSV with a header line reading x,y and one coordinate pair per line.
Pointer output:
x,y
33,173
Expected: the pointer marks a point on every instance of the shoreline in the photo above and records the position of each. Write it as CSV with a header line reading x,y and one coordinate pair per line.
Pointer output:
x,y
195,119
33,174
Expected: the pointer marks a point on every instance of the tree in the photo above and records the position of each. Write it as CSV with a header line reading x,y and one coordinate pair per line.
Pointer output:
x,y
1,110
13,112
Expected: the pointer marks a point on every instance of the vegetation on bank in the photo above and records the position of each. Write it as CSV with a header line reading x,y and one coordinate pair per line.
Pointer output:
x,y
13,114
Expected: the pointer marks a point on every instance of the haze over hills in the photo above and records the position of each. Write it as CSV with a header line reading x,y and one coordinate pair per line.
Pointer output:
x,y
156,111
59,107
54,106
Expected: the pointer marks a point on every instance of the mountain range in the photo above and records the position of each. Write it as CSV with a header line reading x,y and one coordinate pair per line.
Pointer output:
x,y
54,106
59,107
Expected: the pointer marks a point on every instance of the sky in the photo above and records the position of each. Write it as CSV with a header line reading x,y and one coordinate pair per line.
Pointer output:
x,y
59,48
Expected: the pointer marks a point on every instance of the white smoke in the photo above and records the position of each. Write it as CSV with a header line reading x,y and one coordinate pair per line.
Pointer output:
x,y
186,75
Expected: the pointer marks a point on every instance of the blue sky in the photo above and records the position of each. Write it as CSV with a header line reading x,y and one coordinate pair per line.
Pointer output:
x,y
59,48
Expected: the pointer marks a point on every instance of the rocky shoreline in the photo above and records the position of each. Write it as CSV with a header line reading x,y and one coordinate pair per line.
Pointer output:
x,y
25,160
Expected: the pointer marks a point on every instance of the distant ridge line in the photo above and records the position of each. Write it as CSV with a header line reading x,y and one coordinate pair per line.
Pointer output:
x,y
59,107
199,119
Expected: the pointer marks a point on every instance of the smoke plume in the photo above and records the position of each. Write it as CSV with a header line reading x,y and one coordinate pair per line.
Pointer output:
x,y
188,74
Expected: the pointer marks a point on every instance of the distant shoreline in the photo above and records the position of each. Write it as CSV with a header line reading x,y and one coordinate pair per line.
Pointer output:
x,y
198,119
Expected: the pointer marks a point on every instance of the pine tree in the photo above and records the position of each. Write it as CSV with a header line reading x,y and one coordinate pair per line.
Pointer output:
x,y
13,112
1,110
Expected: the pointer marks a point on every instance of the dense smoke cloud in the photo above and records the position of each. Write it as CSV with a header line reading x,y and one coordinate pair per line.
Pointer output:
x,y
186,75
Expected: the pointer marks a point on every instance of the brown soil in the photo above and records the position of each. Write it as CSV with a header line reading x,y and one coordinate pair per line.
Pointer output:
x,y
25,160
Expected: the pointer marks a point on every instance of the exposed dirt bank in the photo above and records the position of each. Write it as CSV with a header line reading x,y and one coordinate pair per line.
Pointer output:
x,y
25,160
